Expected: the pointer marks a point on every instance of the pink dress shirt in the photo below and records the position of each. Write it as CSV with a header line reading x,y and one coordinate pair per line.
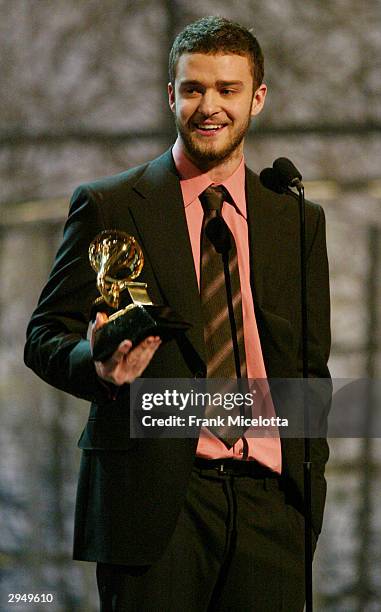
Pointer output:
x,y
193,182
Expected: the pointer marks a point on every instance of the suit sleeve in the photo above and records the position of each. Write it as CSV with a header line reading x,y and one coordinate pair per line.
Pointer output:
x,y
56,347
319,342
318,303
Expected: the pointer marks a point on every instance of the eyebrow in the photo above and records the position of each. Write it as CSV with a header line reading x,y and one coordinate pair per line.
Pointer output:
x,y
229,83
219,83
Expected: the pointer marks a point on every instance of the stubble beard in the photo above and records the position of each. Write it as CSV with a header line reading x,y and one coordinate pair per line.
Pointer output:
x,y
207,157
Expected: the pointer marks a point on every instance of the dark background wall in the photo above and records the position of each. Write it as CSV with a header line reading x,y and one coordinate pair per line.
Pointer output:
x,y
84,95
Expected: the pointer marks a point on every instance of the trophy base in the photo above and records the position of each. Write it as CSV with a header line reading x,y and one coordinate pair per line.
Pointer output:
x,y
136,322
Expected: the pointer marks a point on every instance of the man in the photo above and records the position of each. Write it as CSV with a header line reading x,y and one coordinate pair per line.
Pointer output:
x,y
208,523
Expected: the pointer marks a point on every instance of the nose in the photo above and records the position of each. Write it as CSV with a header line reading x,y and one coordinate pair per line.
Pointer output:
x,y
209,103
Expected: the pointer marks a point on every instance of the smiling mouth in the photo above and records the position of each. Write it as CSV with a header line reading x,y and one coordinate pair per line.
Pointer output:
x,y
209,128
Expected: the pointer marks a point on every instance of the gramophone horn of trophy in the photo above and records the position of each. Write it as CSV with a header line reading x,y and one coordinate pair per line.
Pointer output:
x,y
118,259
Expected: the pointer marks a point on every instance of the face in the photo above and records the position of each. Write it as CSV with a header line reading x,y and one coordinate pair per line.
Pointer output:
x,y
213,100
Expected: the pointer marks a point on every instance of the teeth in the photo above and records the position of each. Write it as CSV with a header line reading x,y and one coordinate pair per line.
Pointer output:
x,y
209,127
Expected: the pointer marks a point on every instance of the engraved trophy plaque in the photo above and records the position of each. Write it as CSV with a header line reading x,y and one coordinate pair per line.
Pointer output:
x,y
118,260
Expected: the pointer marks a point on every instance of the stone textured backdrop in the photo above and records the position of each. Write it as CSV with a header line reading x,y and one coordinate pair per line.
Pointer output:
x,y
84,95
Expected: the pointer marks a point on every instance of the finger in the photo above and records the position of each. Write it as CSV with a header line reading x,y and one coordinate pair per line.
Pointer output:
x,y
123,349
138,359
144,351
108,370
152,349
149,342
127,364
100,320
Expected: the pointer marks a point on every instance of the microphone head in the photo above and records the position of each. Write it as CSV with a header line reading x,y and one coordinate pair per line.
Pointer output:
x,y
218,233
270,179
289,175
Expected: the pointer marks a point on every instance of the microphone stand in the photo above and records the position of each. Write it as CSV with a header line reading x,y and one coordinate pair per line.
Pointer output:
x,y
280,178
307,443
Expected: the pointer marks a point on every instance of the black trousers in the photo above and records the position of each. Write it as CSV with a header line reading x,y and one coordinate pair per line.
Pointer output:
x,y
237,546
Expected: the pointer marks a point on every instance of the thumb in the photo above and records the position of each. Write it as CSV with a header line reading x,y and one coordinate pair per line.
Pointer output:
x,y
100,320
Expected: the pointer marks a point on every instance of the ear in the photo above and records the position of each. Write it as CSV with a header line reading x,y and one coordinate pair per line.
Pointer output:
x,y
258,100
171,97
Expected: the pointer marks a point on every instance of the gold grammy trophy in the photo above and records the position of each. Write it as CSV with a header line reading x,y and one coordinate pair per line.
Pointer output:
x,y
118,260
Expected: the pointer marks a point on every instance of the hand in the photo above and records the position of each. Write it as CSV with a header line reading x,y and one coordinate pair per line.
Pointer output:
x,y
126,363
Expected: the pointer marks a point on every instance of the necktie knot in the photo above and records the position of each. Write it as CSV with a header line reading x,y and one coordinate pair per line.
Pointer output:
x,y
212,199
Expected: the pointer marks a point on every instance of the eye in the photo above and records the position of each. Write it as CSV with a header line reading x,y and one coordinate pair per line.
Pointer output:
x,y
191,91
227,91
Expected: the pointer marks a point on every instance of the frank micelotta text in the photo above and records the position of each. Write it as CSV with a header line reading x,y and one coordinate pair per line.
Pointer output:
x,y
218,421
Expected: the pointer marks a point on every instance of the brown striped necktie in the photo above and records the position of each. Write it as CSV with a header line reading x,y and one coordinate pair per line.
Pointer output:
x,y
221,360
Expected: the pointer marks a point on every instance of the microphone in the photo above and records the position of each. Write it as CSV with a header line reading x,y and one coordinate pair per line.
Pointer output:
x,y
288,175
218,233
270,179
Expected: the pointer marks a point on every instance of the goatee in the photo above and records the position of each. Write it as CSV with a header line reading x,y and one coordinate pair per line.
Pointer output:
x,y
205,156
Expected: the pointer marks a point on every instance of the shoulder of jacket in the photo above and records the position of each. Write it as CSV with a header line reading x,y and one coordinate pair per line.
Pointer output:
x,y
114,182
288,200
119,183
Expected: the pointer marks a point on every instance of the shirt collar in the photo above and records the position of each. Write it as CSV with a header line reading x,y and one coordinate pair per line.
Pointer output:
x,y
194,181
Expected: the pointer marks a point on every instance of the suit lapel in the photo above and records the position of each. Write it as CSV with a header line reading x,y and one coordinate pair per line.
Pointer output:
x,y
268,227
159,216
160,219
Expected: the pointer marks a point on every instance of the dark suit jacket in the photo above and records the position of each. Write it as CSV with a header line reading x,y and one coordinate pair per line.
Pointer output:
x,y
131,491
